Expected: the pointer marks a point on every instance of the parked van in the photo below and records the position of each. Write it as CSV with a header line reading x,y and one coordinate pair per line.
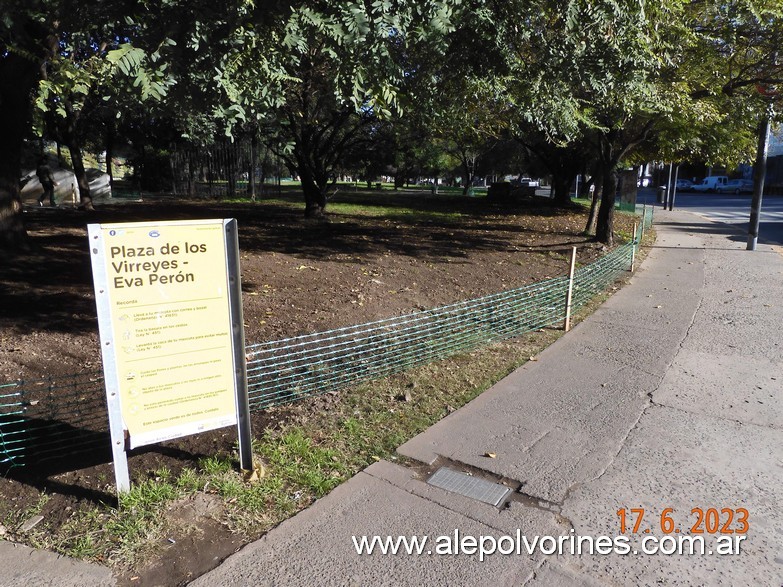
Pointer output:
x,y
710,184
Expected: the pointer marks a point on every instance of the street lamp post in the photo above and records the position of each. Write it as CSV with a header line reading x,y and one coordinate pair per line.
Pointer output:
x,y
673,189
759,174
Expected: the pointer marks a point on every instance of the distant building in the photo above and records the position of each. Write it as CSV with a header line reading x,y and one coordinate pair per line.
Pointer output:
x,y
776,142
774,180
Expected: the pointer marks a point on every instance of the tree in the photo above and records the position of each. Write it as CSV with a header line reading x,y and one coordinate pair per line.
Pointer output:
x,y
320,138
590,79
338,69
729,53
622,77
25,44
563,162
56,55
466,122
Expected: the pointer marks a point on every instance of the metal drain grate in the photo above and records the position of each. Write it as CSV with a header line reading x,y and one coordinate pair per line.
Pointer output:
x,y
480,489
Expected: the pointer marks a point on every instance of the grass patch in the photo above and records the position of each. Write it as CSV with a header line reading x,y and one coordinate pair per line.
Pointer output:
x,y
393,207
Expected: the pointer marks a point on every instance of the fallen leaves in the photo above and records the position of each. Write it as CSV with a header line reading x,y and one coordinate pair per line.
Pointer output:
x,y
255,475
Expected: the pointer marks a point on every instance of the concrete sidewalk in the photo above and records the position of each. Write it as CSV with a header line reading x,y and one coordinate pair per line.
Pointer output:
x,y
22,566
668,396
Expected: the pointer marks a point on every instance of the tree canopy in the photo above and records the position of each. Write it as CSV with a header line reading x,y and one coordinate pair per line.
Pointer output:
x,y
607,82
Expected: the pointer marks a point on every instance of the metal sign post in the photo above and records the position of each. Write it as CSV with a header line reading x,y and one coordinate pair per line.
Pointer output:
x,y
759,175
116,428
673,191
238,339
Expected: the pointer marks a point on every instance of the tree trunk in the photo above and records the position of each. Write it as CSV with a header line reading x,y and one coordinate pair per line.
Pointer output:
x,y
263,167
12,233
251,177
605,227
315,200
592,216
468,177
561,184
85,199
71,136
18,77
314,194
468,164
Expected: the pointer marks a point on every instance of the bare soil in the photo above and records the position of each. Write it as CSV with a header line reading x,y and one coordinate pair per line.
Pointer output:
x,y
297,277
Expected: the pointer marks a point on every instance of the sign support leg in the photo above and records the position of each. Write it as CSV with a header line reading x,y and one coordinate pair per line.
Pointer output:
x,y
116,428
240,361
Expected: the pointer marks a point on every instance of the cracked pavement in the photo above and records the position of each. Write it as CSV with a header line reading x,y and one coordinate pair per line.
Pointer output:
x,y
668,396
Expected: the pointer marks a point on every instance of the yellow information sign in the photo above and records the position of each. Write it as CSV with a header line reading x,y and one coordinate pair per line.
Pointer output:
x,y
168,338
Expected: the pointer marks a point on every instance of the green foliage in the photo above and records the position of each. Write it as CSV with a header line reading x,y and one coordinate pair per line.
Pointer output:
x,y
345,51
673,79
148,72
729,50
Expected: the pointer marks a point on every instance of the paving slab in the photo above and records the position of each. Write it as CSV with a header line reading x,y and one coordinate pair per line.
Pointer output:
x,y
746,390
22,566
711,438
681,460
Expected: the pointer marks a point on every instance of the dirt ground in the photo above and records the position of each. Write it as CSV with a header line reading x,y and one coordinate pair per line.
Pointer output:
x,y
297,277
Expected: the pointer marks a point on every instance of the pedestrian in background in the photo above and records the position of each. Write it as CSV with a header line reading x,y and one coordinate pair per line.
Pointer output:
x,y
46,178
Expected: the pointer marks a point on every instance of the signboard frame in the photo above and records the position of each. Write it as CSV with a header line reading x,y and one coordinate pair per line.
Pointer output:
x,y
110,342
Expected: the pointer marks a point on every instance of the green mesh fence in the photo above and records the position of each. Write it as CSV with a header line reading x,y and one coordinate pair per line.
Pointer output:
x,y
44,420
11,414
594,278
292,368
50,419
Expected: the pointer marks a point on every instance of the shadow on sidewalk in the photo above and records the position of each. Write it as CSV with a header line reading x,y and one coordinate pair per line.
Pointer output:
x,y
770,233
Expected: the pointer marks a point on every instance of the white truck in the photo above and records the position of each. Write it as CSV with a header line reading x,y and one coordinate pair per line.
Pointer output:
x,y
710,183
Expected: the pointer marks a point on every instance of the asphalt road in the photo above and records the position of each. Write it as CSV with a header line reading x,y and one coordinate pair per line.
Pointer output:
x,y
731,209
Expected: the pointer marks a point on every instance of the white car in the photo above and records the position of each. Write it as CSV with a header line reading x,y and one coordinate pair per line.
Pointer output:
x,y
684,185
527,182
710,184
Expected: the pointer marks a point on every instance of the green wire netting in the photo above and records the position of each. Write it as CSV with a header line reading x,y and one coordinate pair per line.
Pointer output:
x,y
292,368
49,418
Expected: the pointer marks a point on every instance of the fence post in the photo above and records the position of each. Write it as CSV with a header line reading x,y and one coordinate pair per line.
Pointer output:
x,y
644,222
633,247
569,295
